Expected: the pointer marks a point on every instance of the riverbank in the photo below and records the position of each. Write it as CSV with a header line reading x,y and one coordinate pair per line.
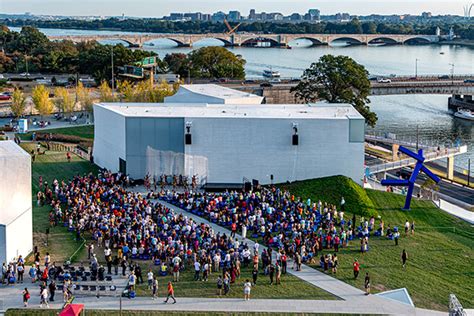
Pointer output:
x,y
458,42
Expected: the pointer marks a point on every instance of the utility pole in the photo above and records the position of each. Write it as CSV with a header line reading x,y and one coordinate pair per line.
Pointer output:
x,y
416,68
417,137
112,63
452,73
468,171
26,66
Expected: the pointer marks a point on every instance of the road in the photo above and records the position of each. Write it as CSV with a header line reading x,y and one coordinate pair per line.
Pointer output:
x,y
455,191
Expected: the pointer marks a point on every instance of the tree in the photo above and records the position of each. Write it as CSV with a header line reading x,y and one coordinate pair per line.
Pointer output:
x,y
106,92
84,97
18,105
216,62
64,100
337,79
41,100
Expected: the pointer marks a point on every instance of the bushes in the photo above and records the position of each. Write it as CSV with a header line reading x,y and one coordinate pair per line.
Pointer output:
x,y
331,190
62,138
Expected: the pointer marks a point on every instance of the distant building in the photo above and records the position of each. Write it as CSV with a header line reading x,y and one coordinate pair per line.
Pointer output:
x,y
252,14
176,16
234,16
196,16
426,15
218,16
296,17
314,15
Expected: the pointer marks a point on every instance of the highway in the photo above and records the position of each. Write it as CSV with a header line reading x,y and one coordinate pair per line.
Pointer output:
x,y
455,191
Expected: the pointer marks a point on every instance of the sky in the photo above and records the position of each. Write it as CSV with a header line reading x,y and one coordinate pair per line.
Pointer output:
x,y
158,8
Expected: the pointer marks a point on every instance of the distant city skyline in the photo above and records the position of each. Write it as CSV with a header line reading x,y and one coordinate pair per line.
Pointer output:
x,y
156,8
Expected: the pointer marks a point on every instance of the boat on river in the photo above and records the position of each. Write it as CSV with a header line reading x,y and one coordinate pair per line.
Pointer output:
x,y
269,73
465,114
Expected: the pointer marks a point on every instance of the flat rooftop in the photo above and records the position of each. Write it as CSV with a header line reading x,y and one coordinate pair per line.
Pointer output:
x,y
217,91
276,111
9,148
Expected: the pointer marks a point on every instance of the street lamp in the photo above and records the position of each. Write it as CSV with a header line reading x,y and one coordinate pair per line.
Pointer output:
x,y
112,66
452,73
416,68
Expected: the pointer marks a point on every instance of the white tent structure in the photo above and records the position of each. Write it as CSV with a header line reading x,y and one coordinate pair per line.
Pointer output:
x,y
212,94
16,221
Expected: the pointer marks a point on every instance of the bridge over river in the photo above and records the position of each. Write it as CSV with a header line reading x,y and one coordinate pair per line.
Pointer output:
x,y
459,86
254,39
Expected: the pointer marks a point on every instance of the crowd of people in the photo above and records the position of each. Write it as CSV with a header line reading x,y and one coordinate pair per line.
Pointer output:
x,y
129,226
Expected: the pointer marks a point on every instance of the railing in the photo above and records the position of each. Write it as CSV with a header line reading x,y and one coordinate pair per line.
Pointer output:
x,y
429,156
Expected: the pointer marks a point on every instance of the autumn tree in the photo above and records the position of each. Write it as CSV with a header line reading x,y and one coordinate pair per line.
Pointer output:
x,y
41,100
64,100
84,97
105,91
18,105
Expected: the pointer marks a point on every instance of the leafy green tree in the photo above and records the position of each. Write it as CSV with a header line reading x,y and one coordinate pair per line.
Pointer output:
x,y
337,79
18,105
216,62
177,63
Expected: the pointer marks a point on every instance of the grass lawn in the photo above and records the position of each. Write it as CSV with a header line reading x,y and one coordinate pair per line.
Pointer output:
x,y
54,165
440,254
291,287
86,132
62,244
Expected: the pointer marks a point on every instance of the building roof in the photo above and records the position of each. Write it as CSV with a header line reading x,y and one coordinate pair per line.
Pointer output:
x,y
189,93
276,111
10,149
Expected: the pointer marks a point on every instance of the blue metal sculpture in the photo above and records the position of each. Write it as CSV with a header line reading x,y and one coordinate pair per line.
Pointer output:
x,y
410,183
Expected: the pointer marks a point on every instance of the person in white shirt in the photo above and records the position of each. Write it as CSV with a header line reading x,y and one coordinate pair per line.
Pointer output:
x,y
150,279
197,270
247,288
176,262
244,231
44,298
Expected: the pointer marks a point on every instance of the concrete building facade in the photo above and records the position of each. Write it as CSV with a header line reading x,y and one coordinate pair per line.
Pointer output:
x,y
16,217
225,143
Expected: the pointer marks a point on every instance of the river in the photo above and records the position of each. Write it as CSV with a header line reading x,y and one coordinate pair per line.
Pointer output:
x,y
397,114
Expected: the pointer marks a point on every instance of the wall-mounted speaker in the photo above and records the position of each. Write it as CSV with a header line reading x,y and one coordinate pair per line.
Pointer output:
x,y
295,140
187,139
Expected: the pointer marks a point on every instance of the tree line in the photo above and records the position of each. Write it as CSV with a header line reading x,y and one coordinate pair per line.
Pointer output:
x,y
465,30
30,50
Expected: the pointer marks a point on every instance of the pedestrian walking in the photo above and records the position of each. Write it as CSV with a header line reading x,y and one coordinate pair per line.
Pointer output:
x,y
335,263
356,268
220,283
44,297
404,258
412,228
255,276
26,297
150,279
367,284
155,288
170,293
52,290
247,288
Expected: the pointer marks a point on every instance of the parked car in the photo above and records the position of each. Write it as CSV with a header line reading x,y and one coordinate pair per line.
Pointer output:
x,y
384,80
469,81
443,77
4,97
266,85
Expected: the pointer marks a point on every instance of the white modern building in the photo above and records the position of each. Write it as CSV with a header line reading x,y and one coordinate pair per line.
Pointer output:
x,y
212,94
16,217
225,143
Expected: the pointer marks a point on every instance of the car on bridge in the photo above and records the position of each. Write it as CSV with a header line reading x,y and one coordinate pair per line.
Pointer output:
x,y
384,80
469,81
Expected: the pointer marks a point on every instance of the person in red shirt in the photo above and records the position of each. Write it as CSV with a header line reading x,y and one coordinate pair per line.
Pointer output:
x,y
170,293
356,266
233,228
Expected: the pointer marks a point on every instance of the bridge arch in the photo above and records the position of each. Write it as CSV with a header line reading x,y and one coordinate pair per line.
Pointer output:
x,y
212,41
417,40
348,39
116,41
312,40
259,42
384,41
